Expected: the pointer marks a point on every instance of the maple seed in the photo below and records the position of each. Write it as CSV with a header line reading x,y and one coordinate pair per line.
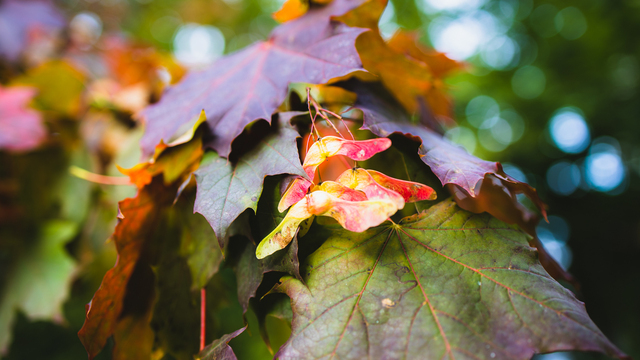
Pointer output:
x,y
349,207
410,191
322,149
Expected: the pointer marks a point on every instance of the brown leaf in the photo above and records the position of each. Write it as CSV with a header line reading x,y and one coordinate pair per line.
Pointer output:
x,y
138,225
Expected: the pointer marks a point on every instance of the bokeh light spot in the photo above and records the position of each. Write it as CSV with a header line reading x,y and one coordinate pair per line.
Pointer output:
x,y
462,136
569,131
563,178
495,134
528,82
571,23
452,5
515,172
554,236
604,169
459,38
480,109
196,45
516,121
500,52
543,20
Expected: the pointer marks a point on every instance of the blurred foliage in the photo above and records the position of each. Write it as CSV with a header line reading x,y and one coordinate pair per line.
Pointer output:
x,y
53,218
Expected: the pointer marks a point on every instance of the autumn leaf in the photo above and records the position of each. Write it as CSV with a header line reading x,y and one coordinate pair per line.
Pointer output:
x,y
407,43
250,84
442,284
219,349
21,128
440,66
173,163
39,283
291,9
227,189
20,19
382,60
137,225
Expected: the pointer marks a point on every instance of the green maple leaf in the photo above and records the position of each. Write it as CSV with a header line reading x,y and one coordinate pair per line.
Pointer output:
x,y
446,283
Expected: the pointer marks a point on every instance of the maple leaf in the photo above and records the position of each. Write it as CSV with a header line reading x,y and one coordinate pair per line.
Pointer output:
x,y
382,60
219,349
451,163
21,128
19,19
442,284
226,189
137,225
439,64
250,84
172,162
322,149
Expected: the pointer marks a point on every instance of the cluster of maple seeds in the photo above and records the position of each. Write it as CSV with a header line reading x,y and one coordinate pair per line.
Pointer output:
x,y
358,199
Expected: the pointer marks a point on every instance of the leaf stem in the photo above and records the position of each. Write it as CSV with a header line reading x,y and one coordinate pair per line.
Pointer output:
x,y
203,308
97,178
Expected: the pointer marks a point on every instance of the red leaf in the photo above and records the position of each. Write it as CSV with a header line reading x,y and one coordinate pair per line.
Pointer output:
x,y
21,128
250,84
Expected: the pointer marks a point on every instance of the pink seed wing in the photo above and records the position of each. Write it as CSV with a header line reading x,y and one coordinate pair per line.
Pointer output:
x,y
360,150
410,191
295,192
360,179
341,192
358,216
